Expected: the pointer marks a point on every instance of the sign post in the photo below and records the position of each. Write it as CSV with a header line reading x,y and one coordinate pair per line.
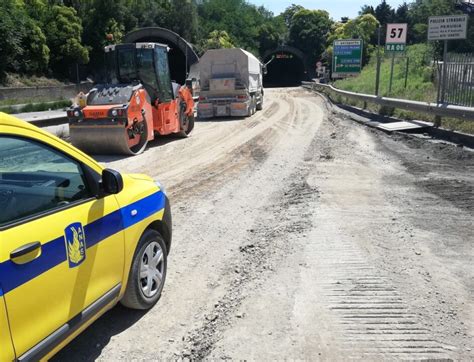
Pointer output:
x,y
377,74
395,43
446,28
347,58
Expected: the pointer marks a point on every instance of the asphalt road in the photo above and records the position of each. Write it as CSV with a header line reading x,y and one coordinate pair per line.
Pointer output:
x,y
299,234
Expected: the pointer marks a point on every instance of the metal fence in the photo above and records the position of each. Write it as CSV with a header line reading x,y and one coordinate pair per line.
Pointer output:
x,y
456,86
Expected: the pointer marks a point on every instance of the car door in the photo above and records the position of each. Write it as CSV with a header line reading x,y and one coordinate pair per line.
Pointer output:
x,y
61,248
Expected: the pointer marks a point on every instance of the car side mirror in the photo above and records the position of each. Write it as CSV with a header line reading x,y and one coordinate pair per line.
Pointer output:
x,y
112,182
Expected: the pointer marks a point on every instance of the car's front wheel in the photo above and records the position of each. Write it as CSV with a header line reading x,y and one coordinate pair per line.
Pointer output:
x,y
148,272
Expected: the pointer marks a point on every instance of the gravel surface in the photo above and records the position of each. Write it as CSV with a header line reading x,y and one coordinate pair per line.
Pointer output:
x,y
299,234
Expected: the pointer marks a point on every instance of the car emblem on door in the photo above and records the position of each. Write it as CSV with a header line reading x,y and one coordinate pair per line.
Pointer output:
x,y
75,244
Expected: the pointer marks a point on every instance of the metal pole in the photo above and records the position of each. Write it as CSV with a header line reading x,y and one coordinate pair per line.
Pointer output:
x,y
438,72
445,71
406,72
391,73
377,77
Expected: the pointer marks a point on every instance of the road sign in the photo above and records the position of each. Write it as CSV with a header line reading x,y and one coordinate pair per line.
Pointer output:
x,y
347,58
396,39
396,34
447,27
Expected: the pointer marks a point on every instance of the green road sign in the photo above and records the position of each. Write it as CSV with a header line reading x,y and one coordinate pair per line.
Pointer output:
x,y
396,48
347,58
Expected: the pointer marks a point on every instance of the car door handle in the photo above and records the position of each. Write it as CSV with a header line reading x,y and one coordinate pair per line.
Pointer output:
x,y
25,249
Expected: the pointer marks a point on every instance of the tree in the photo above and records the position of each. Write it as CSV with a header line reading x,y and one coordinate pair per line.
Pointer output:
x,y
238,18
291,10
272,34
36,53
187,29
384,13
401,15
63,33
22,45
309,30
217,39
367,9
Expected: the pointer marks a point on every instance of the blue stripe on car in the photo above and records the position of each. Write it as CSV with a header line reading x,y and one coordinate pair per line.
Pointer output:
x,y
54,253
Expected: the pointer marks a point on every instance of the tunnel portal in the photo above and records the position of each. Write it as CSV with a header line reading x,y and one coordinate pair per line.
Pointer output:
x,y
181,54
286,67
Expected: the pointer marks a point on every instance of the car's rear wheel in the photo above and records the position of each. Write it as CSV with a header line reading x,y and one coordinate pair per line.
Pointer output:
x,y
148,272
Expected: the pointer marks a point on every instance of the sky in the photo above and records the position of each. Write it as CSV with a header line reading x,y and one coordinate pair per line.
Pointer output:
x,y
336,8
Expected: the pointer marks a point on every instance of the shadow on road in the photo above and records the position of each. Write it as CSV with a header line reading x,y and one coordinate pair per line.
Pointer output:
x,y
220,119
89,344
157,142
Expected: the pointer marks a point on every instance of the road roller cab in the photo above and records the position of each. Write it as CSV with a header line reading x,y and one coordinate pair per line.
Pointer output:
x,y
137,102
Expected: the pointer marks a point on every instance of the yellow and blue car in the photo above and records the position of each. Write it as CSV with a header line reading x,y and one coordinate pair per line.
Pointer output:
x,y
75,239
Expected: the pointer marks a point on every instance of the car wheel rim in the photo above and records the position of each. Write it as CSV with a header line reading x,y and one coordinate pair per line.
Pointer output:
x,y
151,269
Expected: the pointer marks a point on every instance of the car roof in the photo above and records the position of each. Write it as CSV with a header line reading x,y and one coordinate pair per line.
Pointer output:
x,y
11,121
8,120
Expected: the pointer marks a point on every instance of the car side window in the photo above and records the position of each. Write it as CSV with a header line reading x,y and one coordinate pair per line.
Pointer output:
x,y
35,178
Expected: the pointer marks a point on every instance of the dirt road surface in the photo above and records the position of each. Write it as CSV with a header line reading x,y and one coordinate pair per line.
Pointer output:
x,y
299,234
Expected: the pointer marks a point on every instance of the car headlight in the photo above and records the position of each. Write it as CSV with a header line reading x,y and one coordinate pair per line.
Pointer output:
x,y
114,113
162,188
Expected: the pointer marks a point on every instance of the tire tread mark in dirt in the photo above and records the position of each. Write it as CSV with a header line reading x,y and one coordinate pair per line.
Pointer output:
x,y
254,150
266,245
376,320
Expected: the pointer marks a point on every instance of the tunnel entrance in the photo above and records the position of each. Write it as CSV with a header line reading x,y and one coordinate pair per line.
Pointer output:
x,y
181,55
286,67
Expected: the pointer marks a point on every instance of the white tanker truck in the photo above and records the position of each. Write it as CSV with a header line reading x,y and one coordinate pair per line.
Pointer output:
x,y
231,83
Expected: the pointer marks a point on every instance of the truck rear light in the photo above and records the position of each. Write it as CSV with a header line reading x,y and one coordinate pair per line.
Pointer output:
x,y
202,98
242,97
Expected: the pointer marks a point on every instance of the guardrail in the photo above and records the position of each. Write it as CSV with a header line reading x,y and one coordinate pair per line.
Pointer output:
x,y
442,110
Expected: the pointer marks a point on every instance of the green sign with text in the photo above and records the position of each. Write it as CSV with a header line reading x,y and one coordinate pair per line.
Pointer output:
x,y
347,58
397,48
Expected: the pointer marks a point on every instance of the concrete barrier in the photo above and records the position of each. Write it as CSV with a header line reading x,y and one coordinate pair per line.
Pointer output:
x,y
44,93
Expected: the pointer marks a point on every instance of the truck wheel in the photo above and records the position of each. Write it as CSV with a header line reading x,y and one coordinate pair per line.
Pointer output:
x,y
254,105
148,272
260,105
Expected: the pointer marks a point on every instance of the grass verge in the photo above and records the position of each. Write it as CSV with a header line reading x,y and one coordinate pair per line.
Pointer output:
x,y
419,86
36,107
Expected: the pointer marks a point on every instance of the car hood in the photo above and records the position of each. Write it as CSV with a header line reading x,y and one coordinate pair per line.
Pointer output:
x,y
140,176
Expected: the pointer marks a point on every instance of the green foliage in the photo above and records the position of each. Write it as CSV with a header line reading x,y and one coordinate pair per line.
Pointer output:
x,y
36,107
309,30
217,39
290,11
272,34
241,20
22,45
63,33
51,36
420,72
